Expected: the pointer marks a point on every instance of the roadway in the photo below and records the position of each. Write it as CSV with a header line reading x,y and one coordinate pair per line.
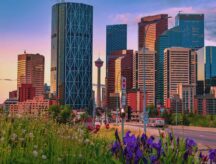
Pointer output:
x,y
206,138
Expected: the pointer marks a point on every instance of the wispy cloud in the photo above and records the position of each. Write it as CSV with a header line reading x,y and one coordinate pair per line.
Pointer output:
x,y
209,11
7,79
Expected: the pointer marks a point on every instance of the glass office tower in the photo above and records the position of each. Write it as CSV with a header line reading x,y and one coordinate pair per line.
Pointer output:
x,y
71,54
192,27
188,33
170,38
116,39
206,69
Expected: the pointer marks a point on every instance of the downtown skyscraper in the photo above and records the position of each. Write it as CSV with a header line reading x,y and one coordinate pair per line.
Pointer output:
x,y
149,29
116,39
30,72
71,54
179,68
188,33
206,69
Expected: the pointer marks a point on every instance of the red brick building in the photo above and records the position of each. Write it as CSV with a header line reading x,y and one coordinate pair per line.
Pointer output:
x,y
26,92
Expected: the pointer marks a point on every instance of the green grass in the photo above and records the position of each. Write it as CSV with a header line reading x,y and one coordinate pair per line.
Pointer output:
x,y
31,140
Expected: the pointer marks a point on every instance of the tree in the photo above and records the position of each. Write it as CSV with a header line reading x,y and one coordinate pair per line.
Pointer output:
x,y
65,114
167,116
152,111
54,111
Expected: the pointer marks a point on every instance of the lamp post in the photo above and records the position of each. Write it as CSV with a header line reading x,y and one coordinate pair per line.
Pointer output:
x,y
122,117
176,111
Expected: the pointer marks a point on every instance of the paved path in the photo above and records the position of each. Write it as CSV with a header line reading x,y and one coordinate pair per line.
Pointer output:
x,y
205,137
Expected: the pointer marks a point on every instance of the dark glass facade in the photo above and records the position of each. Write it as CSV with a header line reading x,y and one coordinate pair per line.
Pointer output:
x,y
206,69
116,39
71,54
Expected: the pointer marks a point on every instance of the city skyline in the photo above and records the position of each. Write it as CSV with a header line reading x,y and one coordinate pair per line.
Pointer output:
x,y
32,31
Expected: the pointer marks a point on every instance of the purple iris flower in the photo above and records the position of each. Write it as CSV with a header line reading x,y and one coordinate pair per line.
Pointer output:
x,y
212,155
190,143
144,138
153,158
177,141
116,147
170,136
138,156
186,154
150,141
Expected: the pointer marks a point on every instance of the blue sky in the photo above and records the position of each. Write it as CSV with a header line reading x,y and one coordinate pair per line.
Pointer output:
x,y
26,25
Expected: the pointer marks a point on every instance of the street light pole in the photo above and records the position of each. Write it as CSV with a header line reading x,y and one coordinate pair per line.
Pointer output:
x,y
176,112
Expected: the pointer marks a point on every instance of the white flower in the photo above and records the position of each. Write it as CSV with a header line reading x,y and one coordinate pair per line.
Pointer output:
x,y
35,153
35,146
13,137
44,157
80,155
59,159
31,135
2,139
86,141
23,131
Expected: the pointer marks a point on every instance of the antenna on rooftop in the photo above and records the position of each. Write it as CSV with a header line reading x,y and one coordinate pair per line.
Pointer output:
x,y
180,11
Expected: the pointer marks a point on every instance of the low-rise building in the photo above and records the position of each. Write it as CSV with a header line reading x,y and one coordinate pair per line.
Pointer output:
x,y
135,100
8,102
33,107
205,104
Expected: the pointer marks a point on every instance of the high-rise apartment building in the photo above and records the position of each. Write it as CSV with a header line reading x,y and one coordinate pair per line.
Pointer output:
x,y
71,54
206,69
116,39
179,67
150,28
31,71
147,59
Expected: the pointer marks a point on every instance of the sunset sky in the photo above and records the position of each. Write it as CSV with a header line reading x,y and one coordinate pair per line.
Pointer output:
x,y
26,25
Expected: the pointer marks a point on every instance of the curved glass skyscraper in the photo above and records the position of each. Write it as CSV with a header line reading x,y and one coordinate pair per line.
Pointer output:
x,y
71,54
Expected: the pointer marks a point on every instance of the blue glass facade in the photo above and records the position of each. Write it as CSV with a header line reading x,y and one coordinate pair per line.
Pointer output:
x,y
192,27
206,69
71,54
188,33
170,38
116,38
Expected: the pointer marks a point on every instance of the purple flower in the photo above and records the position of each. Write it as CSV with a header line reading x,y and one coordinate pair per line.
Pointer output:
x,y
150,141
170,136
116,147
144,138
153,158
212,155
186,155
177,141
138,156
190,143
